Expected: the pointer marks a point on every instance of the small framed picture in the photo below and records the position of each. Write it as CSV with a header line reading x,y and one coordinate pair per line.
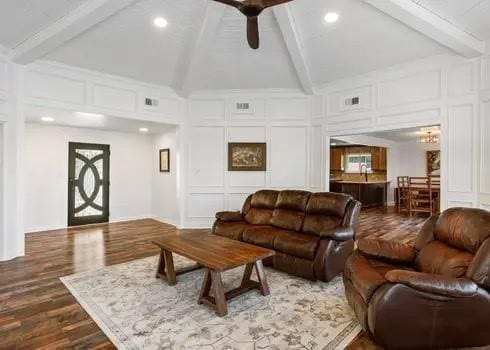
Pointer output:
x,y
247,156
165,160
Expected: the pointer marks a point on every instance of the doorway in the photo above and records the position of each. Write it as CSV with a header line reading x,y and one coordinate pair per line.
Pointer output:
x,y
88,183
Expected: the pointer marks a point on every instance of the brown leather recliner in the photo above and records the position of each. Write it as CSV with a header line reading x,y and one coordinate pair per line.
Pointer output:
x,y
430,296
312,233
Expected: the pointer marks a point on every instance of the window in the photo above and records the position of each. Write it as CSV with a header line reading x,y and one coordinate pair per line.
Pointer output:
x,y
355,161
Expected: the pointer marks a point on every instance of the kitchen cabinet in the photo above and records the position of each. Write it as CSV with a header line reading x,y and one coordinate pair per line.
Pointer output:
x,y
336,158
378,158
371,194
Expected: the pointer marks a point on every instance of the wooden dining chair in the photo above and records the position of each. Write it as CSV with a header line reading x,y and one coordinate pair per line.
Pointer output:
x,y
421,195
403,200
435,182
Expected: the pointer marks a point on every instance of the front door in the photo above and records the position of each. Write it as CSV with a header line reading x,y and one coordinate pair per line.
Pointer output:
x,y
88,183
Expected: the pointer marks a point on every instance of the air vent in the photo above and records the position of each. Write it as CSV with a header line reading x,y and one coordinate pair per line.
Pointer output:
x,y
352,101
243,106
151,102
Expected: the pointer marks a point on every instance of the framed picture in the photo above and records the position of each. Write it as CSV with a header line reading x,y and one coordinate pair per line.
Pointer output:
x,y
247,156
433,163
165,160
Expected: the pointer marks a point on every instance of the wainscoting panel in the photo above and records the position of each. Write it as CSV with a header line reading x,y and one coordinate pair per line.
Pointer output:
x,y
316,152
3,76
256,110
115,98
287,108
207,156
204,205
337,100
462,79
288,159
485,148
416,88
236,200
56,88
209,109
460,137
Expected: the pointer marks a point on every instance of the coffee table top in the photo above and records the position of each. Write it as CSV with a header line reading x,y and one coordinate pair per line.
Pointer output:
x,y
214,252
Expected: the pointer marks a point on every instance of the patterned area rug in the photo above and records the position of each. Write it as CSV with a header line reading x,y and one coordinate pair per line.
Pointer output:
x,y
137,311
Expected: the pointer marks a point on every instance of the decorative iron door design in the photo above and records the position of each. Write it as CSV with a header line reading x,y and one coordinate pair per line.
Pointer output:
x,y
88,183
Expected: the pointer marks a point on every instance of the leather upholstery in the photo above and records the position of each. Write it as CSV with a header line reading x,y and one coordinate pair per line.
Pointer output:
x,y
229,216
297,244
435,295
393,251
277,220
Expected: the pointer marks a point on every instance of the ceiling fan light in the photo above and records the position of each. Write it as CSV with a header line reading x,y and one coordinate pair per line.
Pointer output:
x,y
160,22
331,17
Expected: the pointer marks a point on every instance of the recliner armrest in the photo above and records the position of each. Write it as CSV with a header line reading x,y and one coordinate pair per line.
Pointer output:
x,y
437,284
393,251
338,233
229,216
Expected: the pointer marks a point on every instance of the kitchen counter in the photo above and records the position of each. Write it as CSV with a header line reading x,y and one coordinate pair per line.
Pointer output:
x,y
371,194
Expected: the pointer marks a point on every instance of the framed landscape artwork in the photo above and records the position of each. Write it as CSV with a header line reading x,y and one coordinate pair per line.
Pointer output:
x,y
247,156
165,160
433,163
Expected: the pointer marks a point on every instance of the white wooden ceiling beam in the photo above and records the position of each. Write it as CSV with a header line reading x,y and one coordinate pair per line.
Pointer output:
x,y
431,25
204,37
296,51
66,28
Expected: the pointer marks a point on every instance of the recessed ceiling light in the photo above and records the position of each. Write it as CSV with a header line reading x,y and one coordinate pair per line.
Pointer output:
x,y
144,130
331,17
333,144
160,22
47,119
86,114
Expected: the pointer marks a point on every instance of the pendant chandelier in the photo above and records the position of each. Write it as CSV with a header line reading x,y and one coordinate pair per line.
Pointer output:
x,y
429,138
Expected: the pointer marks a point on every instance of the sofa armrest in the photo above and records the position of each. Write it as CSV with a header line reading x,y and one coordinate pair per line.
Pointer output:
x,y
338,233
437,284
229,216
393,251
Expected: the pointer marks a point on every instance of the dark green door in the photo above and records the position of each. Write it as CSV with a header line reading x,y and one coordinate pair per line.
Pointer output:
x,y
88,183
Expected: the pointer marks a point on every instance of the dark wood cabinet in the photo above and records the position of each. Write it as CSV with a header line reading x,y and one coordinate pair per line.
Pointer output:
x,y
378,158
370,194
336,157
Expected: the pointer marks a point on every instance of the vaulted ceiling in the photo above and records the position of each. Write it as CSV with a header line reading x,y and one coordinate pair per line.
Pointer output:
x,y
204,45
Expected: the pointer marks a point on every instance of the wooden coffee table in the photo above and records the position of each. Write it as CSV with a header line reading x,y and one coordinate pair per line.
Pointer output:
x,y
216,254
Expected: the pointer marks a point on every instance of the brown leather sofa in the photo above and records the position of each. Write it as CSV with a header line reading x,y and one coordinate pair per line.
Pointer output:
x,y
312,233
432,295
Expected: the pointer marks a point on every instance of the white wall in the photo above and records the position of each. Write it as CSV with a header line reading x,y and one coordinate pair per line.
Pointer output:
x,y
413,158
165,186
446,90
281,119
46,174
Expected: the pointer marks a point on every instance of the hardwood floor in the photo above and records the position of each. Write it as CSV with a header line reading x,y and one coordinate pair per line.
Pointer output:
x,y
38,312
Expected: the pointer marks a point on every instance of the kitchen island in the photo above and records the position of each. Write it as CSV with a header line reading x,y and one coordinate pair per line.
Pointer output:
x,y
371,193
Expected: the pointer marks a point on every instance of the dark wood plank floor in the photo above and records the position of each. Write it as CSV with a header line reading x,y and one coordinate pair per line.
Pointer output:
x,y
38,312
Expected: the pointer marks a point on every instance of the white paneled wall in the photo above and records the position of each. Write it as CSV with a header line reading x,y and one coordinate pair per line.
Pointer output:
x,y
281,119
58,86
440,90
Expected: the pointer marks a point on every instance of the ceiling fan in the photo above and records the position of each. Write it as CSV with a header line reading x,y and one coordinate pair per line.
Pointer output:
x,y
252,9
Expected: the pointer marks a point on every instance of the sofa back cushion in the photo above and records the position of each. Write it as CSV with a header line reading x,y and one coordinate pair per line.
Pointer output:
x,y
442,259
261,207
290,209
325,211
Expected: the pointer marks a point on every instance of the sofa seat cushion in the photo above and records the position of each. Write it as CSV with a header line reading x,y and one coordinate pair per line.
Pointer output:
x,y
233,230
262,235
297,244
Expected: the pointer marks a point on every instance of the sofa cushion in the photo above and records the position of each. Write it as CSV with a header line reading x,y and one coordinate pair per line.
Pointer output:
x,y
297,244
294,265
259,210
325,211
233,230
442,259
265,199
290,209
259,216
262,235
463,228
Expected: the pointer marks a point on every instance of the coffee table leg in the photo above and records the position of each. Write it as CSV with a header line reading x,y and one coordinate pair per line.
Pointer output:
x,y
264,286
219,294
247,274
206,286
161,265
169,270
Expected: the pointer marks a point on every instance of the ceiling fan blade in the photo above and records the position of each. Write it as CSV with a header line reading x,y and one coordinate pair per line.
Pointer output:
x,y
234,3
253,32
269,3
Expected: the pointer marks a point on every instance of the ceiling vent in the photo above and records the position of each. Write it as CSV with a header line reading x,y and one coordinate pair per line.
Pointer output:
x,y
243,106
151,102
352,101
